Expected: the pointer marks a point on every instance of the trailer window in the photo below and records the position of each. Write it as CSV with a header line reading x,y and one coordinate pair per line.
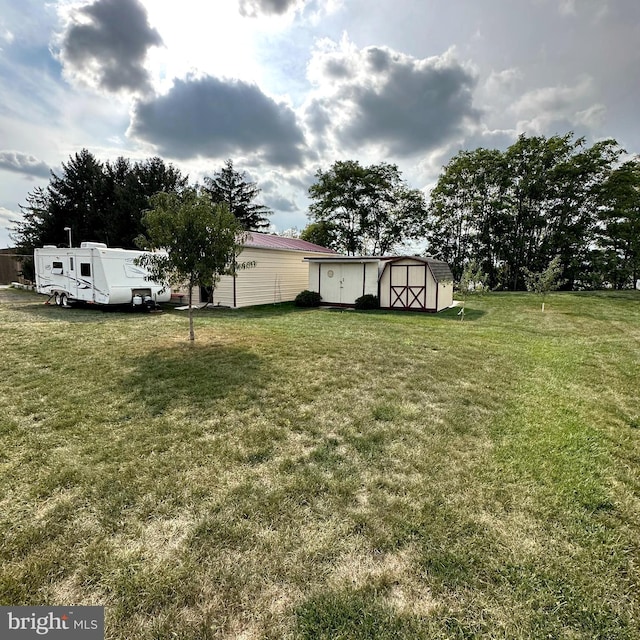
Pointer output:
x,y
85,269
56,268
70,264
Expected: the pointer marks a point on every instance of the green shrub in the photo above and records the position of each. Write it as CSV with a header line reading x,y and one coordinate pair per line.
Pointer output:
x,y
308,298
368,301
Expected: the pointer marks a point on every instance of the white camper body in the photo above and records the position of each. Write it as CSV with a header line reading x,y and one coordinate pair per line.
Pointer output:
x,y
95,274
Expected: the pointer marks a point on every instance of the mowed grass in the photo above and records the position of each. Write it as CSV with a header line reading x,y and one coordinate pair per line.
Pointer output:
x,y
317,474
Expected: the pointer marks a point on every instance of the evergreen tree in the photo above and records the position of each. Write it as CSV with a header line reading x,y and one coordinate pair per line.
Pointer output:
x,y
230,187
99,202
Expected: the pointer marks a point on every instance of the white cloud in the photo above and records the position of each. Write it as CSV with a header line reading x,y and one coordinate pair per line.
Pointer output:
x,y
381,98
537,110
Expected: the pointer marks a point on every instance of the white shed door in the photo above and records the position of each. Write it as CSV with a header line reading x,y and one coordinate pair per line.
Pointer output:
x,y
341,283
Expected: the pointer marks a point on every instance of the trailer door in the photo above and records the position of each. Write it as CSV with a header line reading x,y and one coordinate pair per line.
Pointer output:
x,y
72,277
83,270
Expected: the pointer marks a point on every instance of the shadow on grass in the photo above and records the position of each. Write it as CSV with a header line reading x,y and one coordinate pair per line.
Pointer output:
x,y
39,308
194,376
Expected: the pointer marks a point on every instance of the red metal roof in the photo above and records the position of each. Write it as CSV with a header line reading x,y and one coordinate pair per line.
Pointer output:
x,y
268,241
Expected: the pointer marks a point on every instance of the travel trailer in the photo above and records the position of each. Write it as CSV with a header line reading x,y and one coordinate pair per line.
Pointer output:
x,y
96,274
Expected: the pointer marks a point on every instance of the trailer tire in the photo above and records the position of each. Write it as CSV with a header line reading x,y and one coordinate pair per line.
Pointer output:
x,y
64,301
57,299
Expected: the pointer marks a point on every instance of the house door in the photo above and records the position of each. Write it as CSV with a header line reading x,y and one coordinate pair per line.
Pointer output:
x,y
408,286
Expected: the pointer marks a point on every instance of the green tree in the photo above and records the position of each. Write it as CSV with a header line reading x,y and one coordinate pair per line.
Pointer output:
x,y
466,212
129,189
517,209
545,281
472,282
230,187
618,235
368,209
321,233
99,201
573,210
76,200
194,241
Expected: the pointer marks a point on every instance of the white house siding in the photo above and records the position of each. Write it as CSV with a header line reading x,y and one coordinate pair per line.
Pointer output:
x,y
278,276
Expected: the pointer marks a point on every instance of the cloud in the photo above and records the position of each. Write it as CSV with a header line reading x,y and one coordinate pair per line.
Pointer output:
x,y
378,96
215,118
105,45
22,163
548,108
7,216
252,8
280,203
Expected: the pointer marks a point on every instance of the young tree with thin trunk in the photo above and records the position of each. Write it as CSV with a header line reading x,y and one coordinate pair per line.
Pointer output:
x,y
472,282
544,281
194,241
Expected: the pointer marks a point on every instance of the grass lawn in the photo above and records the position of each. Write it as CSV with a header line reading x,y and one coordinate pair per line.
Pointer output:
x,y
316,474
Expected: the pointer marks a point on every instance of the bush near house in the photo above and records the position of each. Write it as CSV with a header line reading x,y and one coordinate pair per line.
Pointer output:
x,y
308,298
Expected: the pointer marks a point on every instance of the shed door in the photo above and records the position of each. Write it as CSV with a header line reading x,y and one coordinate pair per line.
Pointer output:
x,y
408,283
341,283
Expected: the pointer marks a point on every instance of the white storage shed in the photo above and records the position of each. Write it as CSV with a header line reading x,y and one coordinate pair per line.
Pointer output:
x,y
415,283
405,282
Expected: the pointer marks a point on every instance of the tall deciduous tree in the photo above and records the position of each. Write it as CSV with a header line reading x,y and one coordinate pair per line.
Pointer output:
x,y
321,233
194,241
465,212
232,188
619,229
368,209
515,210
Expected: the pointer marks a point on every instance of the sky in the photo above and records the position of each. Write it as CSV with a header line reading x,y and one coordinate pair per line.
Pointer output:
x,y
285,88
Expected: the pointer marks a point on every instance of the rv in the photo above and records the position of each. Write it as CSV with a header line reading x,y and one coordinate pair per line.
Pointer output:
x,y
96,274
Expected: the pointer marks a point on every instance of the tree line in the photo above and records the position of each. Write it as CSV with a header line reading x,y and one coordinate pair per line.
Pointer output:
x,y
106,201
513,212
509,213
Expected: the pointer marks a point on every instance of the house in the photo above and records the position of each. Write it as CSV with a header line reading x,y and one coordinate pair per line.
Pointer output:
x,y
404,282
279,272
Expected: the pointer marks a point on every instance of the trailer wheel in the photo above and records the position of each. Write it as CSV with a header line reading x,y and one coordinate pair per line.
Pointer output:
x,y
64,301
58,299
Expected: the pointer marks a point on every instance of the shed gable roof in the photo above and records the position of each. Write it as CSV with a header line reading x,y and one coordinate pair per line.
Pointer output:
x,y
439,269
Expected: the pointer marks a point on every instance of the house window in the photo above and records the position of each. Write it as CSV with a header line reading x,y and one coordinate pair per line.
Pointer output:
x,y
85,269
